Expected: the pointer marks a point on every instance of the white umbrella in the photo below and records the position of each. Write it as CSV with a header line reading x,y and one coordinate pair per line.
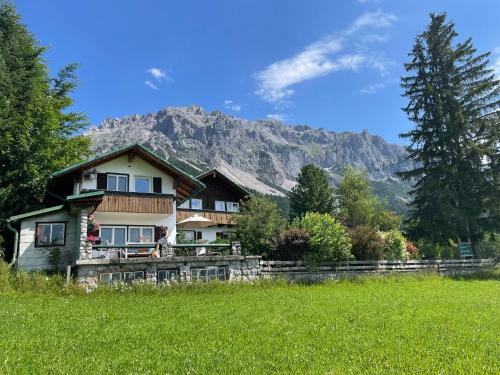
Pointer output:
x,y
195,221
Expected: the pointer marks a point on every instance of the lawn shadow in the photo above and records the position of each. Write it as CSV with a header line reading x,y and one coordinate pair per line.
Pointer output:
x,y
481,275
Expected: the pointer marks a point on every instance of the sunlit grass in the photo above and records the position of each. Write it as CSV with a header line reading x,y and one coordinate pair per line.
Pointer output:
x,y
425,324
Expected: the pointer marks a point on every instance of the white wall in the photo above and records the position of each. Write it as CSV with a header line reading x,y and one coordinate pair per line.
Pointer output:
x,y
137,167
209,233
126,218
31,258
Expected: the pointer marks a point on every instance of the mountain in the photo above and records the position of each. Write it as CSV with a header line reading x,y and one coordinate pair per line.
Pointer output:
x,y
263,155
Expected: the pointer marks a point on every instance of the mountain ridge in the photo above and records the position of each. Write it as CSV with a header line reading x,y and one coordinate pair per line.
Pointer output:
x,y
264,155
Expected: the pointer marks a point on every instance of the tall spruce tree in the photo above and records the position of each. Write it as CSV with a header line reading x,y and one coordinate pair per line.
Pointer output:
x,y
312,193
38,134
452,98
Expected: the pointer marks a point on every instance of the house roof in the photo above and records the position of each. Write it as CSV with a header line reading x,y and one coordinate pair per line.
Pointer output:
x,y
186,185
227,179
37,212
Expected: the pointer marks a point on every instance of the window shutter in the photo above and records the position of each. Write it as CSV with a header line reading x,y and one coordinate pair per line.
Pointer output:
x,y
157,233
102,181
157,185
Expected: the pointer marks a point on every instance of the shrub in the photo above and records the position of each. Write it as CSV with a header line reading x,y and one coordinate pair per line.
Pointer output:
x,y
489,247
394,245
290,244
258,222
429,250
367,244
411,250
328,239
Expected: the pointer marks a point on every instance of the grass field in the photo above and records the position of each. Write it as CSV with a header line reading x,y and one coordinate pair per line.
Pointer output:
x,y
425,324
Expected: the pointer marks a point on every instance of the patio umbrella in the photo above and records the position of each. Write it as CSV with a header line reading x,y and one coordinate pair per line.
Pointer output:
x,y
195,221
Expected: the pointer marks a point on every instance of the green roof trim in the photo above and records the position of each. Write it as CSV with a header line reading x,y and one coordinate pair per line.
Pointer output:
x,y
36,213
84,195
121,150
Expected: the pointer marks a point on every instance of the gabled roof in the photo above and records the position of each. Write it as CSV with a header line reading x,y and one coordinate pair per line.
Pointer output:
x,y
186,185
37,212
226,179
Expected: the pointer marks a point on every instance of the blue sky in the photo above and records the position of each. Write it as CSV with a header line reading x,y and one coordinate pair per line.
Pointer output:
x,y
330,64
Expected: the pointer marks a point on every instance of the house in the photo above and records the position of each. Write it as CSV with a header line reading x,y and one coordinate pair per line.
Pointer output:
x,y
218,201
123,197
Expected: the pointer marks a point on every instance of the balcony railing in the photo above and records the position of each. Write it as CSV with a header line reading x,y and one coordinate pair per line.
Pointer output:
x,y
145,250
136,203
218,217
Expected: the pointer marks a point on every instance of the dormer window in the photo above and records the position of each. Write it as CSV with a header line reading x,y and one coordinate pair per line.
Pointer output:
x,y
117,182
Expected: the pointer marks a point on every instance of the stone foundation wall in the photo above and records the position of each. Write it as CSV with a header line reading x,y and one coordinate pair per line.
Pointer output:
x,y
187,269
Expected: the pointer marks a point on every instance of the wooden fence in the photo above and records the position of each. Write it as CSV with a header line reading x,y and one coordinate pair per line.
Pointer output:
x,y
297,270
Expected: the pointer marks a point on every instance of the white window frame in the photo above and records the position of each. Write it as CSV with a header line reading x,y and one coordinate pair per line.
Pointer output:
x,y
197,200
140,234
118,176
150,179
110,275
223,205
209,274
133,275
38,244
169,275
185,204
113,227
230,207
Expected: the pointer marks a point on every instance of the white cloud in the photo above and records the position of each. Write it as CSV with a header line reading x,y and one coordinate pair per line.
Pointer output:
x,y
229,104
372,89
368,1
316,60
151,85
158,74
276,116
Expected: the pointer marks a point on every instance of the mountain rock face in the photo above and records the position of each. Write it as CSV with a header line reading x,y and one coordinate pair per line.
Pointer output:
x,y
264,155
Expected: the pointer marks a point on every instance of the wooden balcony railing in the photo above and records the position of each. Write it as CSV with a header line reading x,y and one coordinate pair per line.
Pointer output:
x,y
217,217
136,203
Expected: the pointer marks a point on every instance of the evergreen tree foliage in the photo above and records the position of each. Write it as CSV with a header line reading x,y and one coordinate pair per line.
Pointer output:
x,y
312,193
452,98
38,134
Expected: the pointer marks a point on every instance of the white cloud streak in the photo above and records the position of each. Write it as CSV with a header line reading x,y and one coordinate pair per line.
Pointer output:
x,y
276,116
373,89
151,85
316,60
158,74
232,106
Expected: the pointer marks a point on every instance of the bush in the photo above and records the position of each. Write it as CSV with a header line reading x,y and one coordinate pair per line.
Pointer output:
x,y
290,244
394,245
258,222
412,250
429,250
489,247
328,239
367,244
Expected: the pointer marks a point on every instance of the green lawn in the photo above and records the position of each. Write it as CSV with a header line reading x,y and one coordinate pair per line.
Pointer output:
x,y
410,324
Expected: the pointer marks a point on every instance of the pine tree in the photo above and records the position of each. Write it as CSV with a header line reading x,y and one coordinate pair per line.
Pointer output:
x,y
38,134
452,95
312,193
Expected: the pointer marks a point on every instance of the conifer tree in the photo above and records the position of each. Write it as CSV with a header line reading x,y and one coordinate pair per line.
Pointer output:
x,y
312,193
452,96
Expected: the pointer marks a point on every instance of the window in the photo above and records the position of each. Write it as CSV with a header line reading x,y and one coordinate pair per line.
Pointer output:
x,y
50,234
110,278
196,204
113,235
140,234
220,206
167,275
143,184
185,204
129,277
233,206
224,235
208,274
117,182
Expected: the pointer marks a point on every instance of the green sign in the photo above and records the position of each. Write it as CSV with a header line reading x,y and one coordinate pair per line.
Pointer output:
x,y
465,249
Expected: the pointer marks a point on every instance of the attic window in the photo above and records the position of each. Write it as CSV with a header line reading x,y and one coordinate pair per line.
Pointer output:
x,y
117,182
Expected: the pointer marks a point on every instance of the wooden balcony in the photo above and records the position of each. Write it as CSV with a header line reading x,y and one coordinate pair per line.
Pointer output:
x,y
218,217
136,203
